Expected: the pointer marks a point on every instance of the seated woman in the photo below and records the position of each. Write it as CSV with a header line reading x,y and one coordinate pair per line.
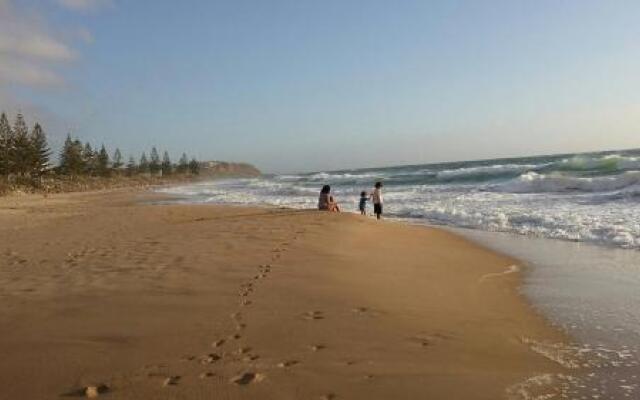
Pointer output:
x,y
326,201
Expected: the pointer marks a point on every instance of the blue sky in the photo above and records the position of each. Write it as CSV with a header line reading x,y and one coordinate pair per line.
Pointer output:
x,y
310,85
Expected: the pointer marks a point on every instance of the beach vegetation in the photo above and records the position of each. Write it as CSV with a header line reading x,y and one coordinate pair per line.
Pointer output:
x,y
27,161
117,161
166,166
154,164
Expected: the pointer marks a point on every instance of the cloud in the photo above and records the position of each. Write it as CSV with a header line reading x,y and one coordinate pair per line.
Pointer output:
x,y
28,74
84,35
36,45
83,5
31,52
55,127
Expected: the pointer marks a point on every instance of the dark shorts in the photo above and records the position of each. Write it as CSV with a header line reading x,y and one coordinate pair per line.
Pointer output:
x,y
377,208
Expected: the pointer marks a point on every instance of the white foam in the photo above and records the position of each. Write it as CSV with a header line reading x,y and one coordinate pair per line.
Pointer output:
x,y
497,169
533,182
610,161
611,218
510,270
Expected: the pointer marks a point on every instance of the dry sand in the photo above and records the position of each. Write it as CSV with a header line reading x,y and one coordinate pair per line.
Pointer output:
x,y
195,302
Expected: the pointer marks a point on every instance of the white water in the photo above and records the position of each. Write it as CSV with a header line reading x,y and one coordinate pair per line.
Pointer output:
x,y
592,293
521,206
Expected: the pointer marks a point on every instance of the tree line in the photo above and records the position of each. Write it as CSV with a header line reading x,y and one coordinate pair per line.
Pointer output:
x,y
25,154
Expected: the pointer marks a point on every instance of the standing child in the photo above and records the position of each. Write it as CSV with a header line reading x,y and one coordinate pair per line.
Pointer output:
x,y
376,196
363,203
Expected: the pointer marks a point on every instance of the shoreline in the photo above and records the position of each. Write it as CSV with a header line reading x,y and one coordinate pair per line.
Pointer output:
x,y
407,312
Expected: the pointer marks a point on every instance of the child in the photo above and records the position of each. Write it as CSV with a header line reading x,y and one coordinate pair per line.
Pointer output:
x,y
363,203
376,196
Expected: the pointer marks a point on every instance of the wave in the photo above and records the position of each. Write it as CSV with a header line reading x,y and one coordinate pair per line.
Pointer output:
x,y
577,166
618,225
485,172
533,182
328,177
610,163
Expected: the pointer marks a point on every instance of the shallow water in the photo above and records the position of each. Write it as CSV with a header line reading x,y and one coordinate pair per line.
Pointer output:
x,y
591,292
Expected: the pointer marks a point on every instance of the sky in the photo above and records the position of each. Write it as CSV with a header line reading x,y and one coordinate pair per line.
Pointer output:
x,y
297,85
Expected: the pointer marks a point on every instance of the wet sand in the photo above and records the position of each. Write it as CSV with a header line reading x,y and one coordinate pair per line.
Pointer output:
x,y
148,301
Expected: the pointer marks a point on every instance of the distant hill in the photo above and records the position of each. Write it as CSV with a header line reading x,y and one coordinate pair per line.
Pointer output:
x,y
219,169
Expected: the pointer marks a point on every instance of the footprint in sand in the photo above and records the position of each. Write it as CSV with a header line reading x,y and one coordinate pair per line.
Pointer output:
x,y
288,363
246,288
426,340
246,378
313,315
265,268
171,381
95,391
209,358
421,341
91,391
206,375
365,312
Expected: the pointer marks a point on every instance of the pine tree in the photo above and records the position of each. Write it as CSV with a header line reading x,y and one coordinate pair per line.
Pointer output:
x,y
21,147
154,165
183,164
90,159
65,160
102,162
40,151
81,164
6,145
71,160
117,160
143,167
194,167
166,164
132,168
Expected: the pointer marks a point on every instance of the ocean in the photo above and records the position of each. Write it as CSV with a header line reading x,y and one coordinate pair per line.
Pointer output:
x,y
577,197
573,218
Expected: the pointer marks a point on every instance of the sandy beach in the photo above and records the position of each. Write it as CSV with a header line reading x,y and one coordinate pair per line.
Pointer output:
x,y
156,301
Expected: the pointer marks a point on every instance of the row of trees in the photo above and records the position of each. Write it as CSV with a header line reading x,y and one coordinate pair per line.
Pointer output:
x,y
79,159
25,153
22,152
